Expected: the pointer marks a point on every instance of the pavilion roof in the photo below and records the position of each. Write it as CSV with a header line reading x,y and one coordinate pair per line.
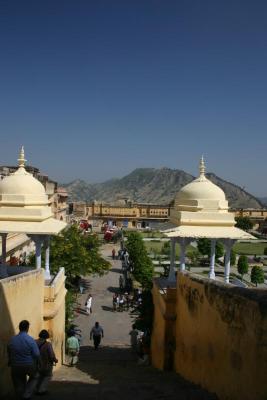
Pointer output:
x,y
171,230
49,226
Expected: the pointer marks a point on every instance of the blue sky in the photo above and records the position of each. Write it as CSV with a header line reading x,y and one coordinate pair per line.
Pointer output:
x,y
94,89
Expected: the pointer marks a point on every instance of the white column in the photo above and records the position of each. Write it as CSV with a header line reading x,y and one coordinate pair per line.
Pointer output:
x,y
3,258
38,246
212,258
171,276
182,242
47,255
227,267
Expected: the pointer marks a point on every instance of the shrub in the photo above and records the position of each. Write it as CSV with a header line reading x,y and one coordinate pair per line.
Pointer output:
x,y
257,275
242,265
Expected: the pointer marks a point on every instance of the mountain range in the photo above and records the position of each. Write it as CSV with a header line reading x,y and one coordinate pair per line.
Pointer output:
x,y
151,185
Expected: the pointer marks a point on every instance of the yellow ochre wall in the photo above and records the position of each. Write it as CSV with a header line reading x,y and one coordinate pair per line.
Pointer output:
x,y
21,297
221,337
163,335
54,314
25,296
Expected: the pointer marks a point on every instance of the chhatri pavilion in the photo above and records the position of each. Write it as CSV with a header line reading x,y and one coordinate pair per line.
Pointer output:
x,y
201,211
25,208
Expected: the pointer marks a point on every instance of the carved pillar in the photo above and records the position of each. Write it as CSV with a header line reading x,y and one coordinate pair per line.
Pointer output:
x,y
212,259
3,258
182,242
47,255
227,264
171,276
38,239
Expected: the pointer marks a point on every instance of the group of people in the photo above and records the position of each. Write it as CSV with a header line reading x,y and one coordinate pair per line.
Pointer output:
x,y
73,342
31,362
121,302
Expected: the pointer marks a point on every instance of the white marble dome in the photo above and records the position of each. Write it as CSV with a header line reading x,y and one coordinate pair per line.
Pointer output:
x,y
23,197
201,189
21,188
21,182
201,195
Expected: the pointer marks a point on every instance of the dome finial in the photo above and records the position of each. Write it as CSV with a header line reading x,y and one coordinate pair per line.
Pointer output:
x,y
202,167
21,158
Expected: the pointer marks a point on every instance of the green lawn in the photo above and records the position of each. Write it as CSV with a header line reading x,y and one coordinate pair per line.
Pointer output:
x,y
157,246
250,248
152,234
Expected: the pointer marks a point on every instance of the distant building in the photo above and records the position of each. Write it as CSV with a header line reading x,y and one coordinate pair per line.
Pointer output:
x,y
141,215
123,213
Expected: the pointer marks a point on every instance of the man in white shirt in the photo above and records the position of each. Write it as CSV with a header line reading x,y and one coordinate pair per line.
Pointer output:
x,y
88,304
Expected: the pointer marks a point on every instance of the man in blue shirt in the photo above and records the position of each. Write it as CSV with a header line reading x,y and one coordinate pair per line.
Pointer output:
x,y
23,354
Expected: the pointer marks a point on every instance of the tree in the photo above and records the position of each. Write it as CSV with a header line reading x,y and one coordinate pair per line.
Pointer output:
x,y
142,264
243,223
242,265
232,257
166,248
204,247
193,255
257,275
78,253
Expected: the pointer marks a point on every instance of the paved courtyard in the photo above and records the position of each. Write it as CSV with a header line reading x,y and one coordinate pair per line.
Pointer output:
x,y
113,371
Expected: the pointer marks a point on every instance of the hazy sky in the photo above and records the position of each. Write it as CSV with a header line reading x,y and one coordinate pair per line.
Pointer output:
x,y
94,89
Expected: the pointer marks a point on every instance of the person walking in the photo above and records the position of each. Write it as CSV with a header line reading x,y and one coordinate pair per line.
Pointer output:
x,y
88,304
113,254
114,301
47,360
96,333
73,348
23,356
134,338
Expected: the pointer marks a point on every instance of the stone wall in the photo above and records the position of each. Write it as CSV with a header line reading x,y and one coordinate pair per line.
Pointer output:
x,y
221,337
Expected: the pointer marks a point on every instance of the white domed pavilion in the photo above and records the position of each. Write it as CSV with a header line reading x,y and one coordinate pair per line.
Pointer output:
x,y
201,211
25,208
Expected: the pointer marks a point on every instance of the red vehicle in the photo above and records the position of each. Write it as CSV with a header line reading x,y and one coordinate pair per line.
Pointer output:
x,y
84,224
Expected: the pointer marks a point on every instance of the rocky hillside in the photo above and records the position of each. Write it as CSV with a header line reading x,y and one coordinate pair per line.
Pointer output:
x,y
150,185
263,200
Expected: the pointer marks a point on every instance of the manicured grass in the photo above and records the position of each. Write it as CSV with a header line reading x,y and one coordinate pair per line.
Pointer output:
x,y
154,247
250,248
157,246
152,234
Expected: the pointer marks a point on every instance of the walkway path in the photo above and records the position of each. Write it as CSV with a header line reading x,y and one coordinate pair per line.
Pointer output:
x,y
112,372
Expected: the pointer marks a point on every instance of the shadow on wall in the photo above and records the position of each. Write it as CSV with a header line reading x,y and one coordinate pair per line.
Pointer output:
x,y
7,330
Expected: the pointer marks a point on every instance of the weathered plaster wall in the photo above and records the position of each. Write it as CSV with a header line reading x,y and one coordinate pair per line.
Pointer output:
x,y
163,335
221,338
54,314
25,296
21,297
